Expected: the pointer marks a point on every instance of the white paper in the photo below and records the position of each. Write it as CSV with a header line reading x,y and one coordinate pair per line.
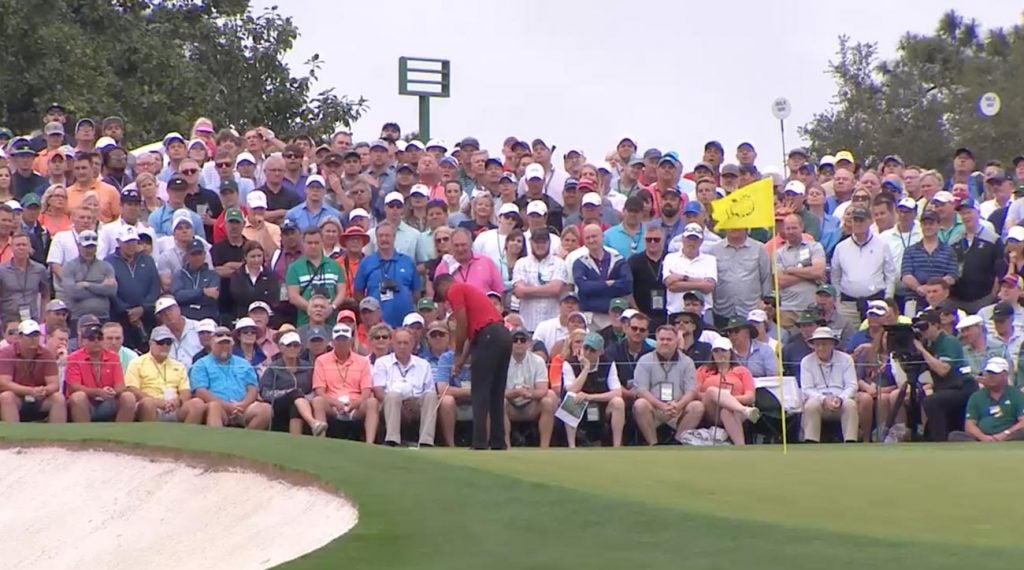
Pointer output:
x,y
571,410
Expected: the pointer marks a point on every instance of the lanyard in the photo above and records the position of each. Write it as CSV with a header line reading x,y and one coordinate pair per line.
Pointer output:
x,y
463,271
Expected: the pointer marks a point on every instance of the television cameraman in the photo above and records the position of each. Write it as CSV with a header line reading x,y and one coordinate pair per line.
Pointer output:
x,y
950,372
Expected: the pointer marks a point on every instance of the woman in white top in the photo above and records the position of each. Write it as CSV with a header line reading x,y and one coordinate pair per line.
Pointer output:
x,y
491,243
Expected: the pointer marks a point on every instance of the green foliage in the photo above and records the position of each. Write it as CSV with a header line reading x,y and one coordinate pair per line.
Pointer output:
x,y
160,65
924,103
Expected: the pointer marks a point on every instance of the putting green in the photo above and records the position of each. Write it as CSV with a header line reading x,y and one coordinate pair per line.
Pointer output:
x,y
820,507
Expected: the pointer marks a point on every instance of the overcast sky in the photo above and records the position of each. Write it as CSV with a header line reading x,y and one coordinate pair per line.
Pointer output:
x,y
585,73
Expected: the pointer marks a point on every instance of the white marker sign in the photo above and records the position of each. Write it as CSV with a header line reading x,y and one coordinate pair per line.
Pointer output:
x,y
781,108
989,104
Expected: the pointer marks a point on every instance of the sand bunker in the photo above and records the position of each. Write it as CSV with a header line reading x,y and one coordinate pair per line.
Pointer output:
x,y
95,509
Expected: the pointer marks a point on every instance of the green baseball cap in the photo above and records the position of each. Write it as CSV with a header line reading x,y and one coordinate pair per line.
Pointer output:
x,y
29,200
808,317
739,323
426,304
617,303
233,215
826,289
593,340
695,294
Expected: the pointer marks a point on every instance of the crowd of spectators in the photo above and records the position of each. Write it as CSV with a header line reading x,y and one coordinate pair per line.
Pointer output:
x,y
246,280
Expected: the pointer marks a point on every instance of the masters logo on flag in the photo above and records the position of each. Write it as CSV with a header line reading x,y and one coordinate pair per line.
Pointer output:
x,y
752,206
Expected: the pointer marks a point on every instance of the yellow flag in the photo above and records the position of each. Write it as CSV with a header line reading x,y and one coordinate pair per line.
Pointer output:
x,y
752,206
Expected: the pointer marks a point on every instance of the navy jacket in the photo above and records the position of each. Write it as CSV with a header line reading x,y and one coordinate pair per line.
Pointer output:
x,y
187,287
595,294
137,286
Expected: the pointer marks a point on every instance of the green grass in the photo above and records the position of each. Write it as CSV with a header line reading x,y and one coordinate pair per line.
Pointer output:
x,y
919,506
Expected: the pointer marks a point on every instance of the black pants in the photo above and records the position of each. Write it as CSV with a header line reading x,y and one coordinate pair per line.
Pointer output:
x,y
945,411
489,357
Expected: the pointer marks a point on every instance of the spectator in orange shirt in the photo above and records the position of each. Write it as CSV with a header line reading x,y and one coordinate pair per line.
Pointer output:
x,y
727,390
342,383
54,133
86,181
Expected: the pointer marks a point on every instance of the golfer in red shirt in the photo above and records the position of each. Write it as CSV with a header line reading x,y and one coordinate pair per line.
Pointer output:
x,y
481,334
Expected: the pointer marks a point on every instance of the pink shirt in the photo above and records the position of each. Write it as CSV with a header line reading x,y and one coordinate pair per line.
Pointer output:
x,y
481,272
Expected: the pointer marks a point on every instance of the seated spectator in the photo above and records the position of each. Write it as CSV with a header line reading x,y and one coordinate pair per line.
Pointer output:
x,y
689,327
572,346
765,333
403,382
88,283
756,356
260,313
343,385
828,380
160,385
876,386
287,385
113,340
253,282
204,331
577,321
29,382
196,286
592,378
996,411
727,391
979,348
799,345
245,344
527,395
227,383
550,331
627,352
95,383
666,387
379,337
55,316
452,389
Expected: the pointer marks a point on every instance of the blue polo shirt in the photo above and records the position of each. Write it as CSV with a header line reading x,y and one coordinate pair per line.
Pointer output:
x,y
617,239
306,218
160,221
227,380
400,269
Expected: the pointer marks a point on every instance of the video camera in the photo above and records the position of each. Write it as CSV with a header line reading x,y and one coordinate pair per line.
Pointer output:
x,y
900,341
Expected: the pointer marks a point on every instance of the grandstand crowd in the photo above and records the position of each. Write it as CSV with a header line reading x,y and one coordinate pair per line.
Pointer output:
x,y
239,279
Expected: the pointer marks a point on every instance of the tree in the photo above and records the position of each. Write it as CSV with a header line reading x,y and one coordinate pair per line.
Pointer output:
x,y
161,65
924,103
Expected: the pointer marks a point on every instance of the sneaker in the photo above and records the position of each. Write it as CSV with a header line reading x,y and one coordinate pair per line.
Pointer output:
x,y
753,414
319,428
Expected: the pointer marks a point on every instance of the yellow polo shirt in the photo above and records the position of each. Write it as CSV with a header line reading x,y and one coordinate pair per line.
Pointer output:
x,y
150,377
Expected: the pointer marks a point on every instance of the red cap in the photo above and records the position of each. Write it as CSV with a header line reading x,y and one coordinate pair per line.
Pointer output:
x,y
346,314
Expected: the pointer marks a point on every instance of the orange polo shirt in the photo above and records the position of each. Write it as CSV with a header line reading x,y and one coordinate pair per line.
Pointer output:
x,y
110,199
340,378
41,163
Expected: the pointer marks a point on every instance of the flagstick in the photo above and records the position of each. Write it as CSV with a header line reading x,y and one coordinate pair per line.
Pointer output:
x,y
778,353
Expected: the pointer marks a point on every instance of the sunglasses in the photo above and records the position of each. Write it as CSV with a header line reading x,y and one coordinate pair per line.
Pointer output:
x,y
521,340
443,240
93,336
438,334
292,345
293,155
382,337
247,330
190,171
223,164
12,332
164,342
638,329
653,240
395,206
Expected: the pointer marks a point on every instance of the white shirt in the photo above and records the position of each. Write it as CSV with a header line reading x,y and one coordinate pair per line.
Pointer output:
x,y
528,372
578,253
710,239
169,258
108,237
411,381
161,189
63,249
550,332
840,210
556,244
987,207
569,376
490,244
617,199
531,271
704,266
898,242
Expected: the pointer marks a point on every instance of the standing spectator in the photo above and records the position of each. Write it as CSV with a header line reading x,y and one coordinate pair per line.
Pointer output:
x,y
469,267
24,283
160,385
692,339
24,179
689,270
314,273
491,243
185,331
406,238
927,259
227,383
862,268
628,237
165,219
899,238
257,228
287,384
744,275
951,229
29,382
388,276
828,380
87,181
228,258
666,385
280,260
30,225
195,286
996,412
279,199
600,276
343,384
138,286
89,283
65,245
980,255
171,252
309,213
538,281
131,207
669,205
801,266
404,383
95,382
253,282
538,185
649,294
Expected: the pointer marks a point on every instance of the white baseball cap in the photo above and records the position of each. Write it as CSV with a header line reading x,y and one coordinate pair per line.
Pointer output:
x,y
316,179
164,303
14,205
757,316
127,233
358,213
540,208
437,143
419,189
591,199
968,321
412,319
181,215
176,136
996,365
289,337
341,331
261,305
907,204
693,230
414,144
721,343
534,170
1015,233
105,142
507,209
795,187
943,197
394,197
244,157
27,327
256,200
628,314
827,159
245,322
206,326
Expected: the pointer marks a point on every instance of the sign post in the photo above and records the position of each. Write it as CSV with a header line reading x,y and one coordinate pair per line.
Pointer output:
x,y
424,78
781,110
